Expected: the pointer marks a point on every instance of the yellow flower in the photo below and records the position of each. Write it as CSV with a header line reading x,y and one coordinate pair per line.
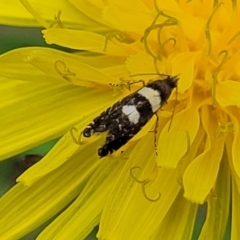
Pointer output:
x,y
47,93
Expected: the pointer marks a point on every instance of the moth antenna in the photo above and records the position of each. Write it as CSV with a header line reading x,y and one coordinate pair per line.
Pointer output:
x,y
173,111
149,74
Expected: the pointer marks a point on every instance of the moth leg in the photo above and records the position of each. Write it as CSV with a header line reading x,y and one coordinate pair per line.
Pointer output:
x,y
127,84
133,82
155,133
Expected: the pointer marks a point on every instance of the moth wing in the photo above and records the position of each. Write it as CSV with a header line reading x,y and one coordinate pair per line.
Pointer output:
x,y
102,122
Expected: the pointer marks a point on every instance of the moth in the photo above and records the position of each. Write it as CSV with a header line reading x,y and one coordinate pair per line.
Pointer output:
x,y
125,118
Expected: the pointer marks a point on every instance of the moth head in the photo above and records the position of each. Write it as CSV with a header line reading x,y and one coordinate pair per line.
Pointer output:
x,y
172,81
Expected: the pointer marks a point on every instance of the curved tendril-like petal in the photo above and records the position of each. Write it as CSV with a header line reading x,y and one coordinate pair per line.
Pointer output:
x,y
215,3
170,21
234,3
57,21
160,29
147,49
215,75
62,70
135,178
128,83
143,183
146,196
207,30
78,140
167,41
119,36
234,37
146,33
158,26
156,66
156,6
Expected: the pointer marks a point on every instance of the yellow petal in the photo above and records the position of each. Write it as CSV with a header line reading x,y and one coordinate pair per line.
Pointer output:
x,y
83,40
27,62
66,146
25,208
120,13
37,64
15,66
181,217
58,63
101,61
191,153
78,220
191,25
235,220
218,205
173,147
33,114
42,114
183,65
140,63
233,146
227,93
201,174
185,125
122,205
14,13
91,9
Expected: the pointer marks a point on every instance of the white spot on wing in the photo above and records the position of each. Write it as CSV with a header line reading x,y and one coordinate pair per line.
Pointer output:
x,y
132,113
152,96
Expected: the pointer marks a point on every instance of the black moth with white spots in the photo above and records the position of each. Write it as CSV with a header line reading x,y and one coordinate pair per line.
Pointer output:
x,y
126,118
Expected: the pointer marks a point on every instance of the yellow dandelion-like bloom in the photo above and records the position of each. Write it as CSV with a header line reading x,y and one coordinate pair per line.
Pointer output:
x,y
48,93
